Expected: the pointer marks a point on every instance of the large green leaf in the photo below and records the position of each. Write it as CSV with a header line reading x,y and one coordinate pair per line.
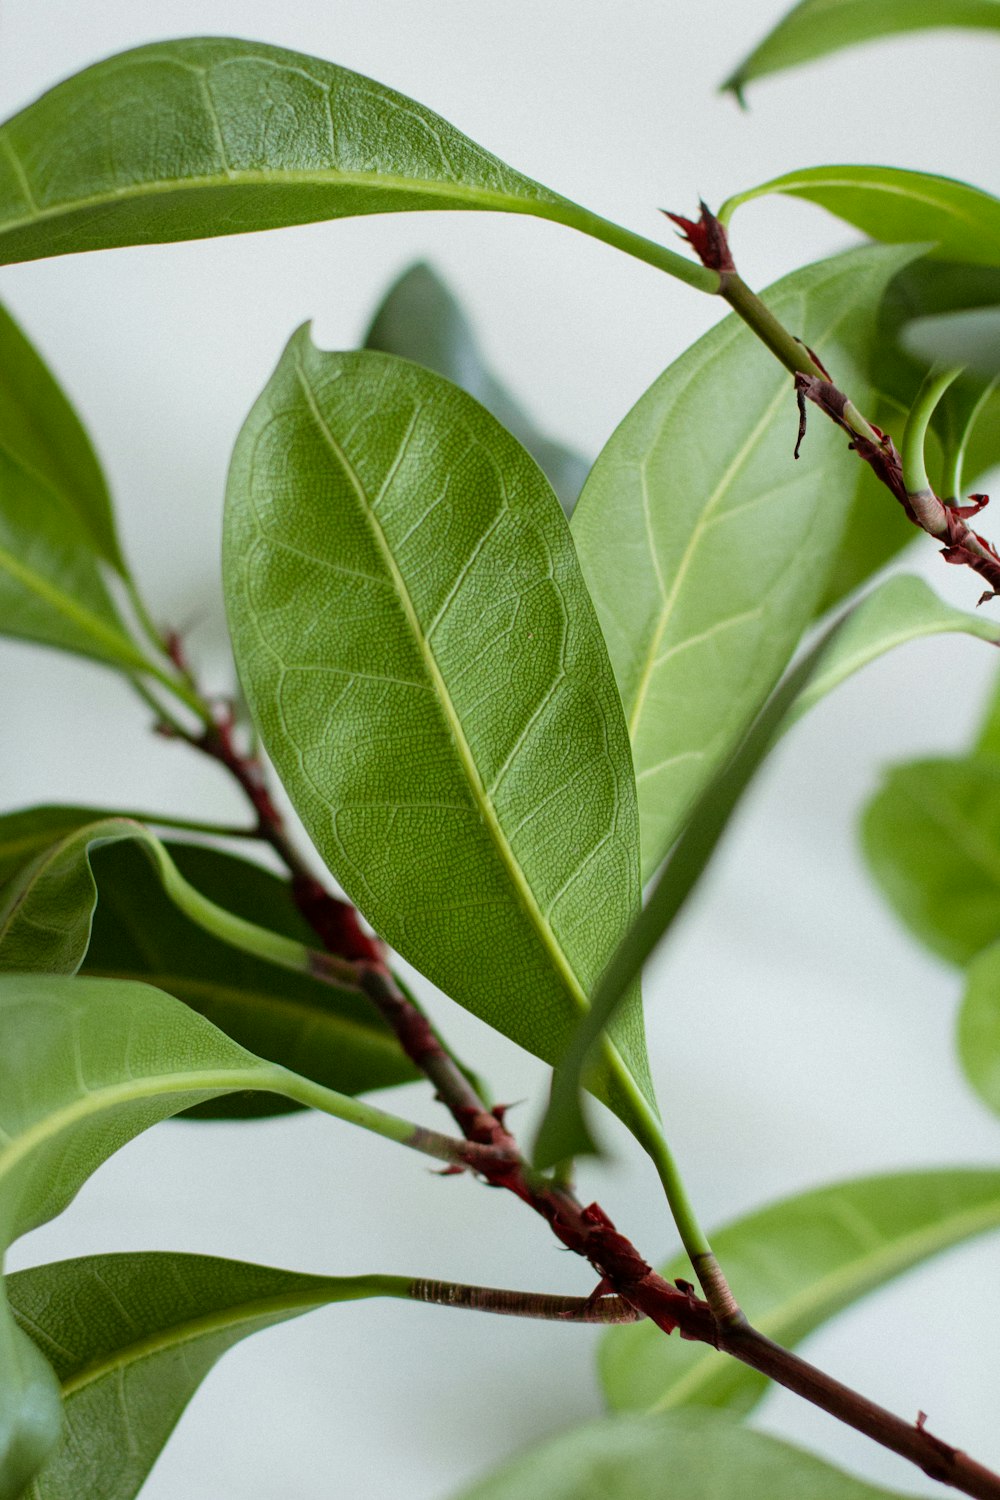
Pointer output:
x,y
420,319
687,1456
979,1026
85,1065
131,1337
51,588
931,836
814,28
416,644
901,207
207,136
332,1035
794,1265
706,547
39,425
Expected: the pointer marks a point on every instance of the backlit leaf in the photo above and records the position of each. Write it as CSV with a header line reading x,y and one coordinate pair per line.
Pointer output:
x,y
979,1026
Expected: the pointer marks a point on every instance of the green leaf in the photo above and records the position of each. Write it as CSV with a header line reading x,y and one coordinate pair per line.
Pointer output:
x,y
186,139
706,547
331,1035
51,590
86,1064
689,1456
962,223
815,28
417,647
979,1027
131,1337
964,338
931,836
47,908
39,426
794,1265
420,319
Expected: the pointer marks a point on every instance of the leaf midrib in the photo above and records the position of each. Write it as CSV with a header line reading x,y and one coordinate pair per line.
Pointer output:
x,y
63,604
881,1266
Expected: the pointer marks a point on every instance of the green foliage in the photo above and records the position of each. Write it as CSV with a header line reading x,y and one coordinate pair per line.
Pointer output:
x,y
131,1337
815,28
968,338
959,222
979,1026
424,666
687,1456
420,319
794,1265
703,595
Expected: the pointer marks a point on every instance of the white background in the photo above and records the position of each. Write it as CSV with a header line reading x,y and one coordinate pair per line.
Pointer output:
x,y
797,1034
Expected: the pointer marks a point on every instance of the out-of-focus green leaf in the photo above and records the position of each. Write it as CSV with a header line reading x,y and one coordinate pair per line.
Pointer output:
x,y
959,222
181,140
420,319
86,1064
815,28
931,835
51,590
706,547
131,1337
39,425
427,673
964,338
683,1456
979,1026
334,1036
793,1266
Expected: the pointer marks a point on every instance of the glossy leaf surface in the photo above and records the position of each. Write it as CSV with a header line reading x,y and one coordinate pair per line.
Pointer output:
x,y
687,1456
186,139
793,1266
961,222
331,1035
131,1337
931,836
815,28
40,427
964,338
86,1065
706,547
417,647
420,319
51,590
979,1027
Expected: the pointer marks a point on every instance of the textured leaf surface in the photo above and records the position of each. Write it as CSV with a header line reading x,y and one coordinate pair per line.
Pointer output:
x,y
420,319
979,1027
418,649
86,1065
687,1456
131,1337
51,588
38,425
815,28
965,338
333,1036
898,206
793,1266
931,836
706,547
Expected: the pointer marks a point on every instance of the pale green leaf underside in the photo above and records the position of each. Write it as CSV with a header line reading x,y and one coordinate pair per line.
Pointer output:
x,y
815,28
706,547
979,1027
961,222
418,649
684,1456
931,836
793,1266
971,337
39,425
131,1337
51,590
86,1064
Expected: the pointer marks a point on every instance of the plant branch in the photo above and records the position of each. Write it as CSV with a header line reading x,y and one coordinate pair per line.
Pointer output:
x,y
523,1304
